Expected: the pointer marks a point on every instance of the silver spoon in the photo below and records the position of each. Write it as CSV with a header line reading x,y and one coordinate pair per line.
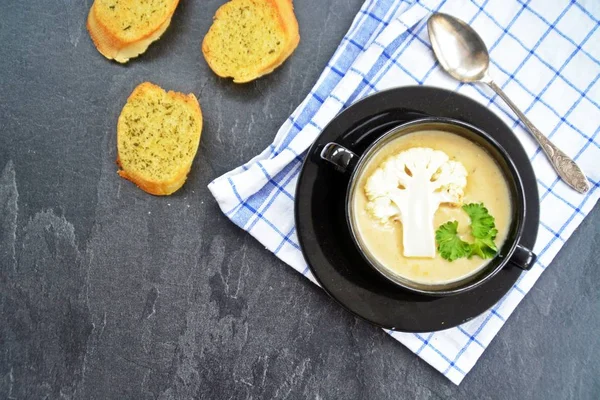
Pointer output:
x,y
463,54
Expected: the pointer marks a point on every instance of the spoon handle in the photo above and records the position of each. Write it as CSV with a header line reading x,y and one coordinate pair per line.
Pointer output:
x,y
566,168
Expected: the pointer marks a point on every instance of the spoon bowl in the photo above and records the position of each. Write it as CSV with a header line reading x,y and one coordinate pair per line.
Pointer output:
x,y
458,48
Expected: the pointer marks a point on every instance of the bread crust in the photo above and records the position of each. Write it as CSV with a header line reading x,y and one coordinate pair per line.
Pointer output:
x,y
115,48
161,188
287,22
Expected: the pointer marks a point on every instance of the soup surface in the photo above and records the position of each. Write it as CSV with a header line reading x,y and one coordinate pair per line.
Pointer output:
x,y
485,184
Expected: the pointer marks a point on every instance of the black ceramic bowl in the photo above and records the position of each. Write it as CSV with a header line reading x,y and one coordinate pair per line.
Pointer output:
x,y
324,235
511,251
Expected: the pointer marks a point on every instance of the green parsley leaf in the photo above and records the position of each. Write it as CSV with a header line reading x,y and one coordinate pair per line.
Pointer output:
x,y
450,246
484,248
483,229
482,223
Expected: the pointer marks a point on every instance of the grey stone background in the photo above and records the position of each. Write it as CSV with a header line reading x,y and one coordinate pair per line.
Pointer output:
x,y
109,293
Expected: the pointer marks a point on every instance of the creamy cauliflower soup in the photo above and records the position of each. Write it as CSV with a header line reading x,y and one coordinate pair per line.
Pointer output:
x,y
473,176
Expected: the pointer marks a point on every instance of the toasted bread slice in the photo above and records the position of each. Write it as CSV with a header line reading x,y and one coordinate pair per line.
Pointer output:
x,y
123,29
250,38
158,134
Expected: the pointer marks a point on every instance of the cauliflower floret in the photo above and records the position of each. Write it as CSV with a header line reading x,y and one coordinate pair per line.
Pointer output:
x,y
410,187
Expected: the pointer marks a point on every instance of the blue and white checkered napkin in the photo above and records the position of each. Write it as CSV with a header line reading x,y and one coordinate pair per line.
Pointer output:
x,y
545,55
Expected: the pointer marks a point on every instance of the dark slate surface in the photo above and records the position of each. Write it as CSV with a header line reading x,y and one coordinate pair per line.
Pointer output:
x,y
107,292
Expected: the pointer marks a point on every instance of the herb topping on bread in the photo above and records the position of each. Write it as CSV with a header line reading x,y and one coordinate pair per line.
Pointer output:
x,y
250,38
158,134
123,29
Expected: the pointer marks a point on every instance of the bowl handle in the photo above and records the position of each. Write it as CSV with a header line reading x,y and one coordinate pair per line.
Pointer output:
x,y
523,258
343,159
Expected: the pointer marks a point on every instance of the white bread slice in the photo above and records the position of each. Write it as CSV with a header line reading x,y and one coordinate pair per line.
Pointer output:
x,y
250,38
158,134
123,29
